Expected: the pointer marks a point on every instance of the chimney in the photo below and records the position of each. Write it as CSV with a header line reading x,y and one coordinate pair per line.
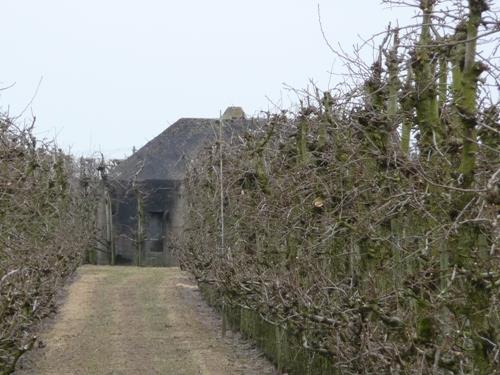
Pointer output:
x,y
234,113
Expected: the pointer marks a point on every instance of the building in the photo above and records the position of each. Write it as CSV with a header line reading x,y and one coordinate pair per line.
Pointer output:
x,y
146,190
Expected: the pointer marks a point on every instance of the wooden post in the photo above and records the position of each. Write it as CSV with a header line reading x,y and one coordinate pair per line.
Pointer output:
x,y
109,227
140,225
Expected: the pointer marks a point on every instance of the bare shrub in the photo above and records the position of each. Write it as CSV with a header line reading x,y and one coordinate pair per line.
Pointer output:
x,y
378,252
47,215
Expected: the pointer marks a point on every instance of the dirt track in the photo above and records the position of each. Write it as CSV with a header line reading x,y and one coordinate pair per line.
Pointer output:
x,y
125,320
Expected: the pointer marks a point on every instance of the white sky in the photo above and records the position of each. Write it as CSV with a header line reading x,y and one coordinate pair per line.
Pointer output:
x,y
117,72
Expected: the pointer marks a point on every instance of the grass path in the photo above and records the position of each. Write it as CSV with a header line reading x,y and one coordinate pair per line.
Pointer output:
x,y
127,320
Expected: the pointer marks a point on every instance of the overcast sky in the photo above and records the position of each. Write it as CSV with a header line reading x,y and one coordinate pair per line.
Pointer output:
x,y
112,74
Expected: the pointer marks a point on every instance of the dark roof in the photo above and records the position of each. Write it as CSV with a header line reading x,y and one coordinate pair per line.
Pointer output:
x,y
166,156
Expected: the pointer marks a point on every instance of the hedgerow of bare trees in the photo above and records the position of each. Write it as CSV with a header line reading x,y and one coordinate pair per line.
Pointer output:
x,y
367,222
47,222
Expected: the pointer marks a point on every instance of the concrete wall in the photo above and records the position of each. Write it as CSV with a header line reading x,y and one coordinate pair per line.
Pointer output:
x,y
162,207
175,227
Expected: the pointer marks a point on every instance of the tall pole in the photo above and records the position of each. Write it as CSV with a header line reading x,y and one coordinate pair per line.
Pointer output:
x,y
222,243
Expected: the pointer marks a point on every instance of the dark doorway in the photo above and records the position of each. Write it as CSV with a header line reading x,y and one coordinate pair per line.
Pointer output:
x,y
155,230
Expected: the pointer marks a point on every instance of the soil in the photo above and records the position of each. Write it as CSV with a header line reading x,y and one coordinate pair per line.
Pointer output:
x,y
127,320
